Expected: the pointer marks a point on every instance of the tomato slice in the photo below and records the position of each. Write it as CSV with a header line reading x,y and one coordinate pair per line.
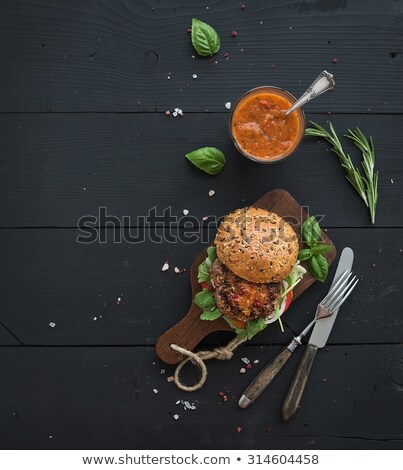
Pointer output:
x,y
288,300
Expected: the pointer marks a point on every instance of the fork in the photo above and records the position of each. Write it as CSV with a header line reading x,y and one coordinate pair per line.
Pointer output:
x,y
336,296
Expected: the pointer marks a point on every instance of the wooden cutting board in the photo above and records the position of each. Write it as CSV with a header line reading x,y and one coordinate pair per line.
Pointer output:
x,y
189,331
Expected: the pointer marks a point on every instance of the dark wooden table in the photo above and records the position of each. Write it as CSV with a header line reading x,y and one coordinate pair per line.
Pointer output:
x,y
84,86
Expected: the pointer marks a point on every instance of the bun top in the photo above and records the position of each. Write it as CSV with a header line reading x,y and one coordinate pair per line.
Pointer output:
x,y
257,245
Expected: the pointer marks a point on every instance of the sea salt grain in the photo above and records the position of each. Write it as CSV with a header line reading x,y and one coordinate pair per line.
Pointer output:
x,y
242,370
194,76
165,267
52,325
228,105
155,391
177,270
185,212
176,417
211,192
245,360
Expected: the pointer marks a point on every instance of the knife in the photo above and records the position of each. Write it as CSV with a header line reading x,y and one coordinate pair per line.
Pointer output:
x,y
318,339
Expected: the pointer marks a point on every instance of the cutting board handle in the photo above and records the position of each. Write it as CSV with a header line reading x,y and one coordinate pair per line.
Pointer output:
x,y
187,333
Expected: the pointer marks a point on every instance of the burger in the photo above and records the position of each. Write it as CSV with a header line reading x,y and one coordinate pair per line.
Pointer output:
x,y
250,272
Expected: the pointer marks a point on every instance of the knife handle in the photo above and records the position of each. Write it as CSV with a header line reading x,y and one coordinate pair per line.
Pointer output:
x,y
264,378
297,388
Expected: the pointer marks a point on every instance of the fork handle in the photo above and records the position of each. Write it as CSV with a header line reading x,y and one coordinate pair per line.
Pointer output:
x,y
264,378
297,388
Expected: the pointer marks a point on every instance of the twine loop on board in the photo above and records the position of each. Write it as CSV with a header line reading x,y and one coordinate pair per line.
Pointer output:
x,y
222,353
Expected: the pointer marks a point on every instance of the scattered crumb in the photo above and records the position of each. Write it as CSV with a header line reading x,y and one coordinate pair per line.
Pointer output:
x,y
194,76
155,391
186,404
52,325
165,267
205,218
249,366
391,180
176,417
238,429
256,361
171,378
242,6
234,34
162,371
167,112
335,60
177,111
179,270
185,212
95,318
245,360
373,265
242,370
211,192
228,105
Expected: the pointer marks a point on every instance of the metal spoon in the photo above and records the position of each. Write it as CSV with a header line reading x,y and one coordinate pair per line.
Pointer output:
x,y
323,82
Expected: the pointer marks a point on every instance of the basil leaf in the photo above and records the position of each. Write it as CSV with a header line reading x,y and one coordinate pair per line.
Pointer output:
x,y
204,38
304,254
203,273
311,233
205,299
322,249
208,159
253,327
212,253
318,267
210,315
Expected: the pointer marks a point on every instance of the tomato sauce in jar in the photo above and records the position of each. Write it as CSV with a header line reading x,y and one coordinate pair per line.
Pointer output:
x,y
260,128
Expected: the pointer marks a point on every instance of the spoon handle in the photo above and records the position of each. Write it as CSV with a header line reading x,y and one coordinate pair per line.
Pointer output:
x,y
323,82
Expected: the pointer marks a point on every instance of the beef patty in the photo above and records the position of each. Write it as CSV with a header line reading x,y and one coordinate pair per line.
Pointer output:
x,y
239,299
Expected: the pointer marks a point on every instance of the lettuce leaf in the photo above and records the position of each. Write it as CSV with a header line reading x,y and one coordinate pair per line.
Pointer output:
x,y
205,299
210,314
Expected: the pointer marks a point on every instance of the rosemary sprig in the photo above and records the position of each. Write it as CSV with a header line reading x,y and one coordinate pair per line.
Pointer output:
x,y
366,186
368,163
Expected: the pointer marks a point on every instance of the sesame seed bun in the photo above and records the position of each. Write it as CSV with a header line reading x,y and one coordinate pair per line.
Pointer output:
x,y
257,245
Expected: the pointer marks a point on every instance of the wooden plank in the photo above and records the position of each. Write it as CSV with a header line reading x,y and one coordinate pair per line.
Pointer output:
x,y
58,168
60,55
48,277
97,398
7,338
